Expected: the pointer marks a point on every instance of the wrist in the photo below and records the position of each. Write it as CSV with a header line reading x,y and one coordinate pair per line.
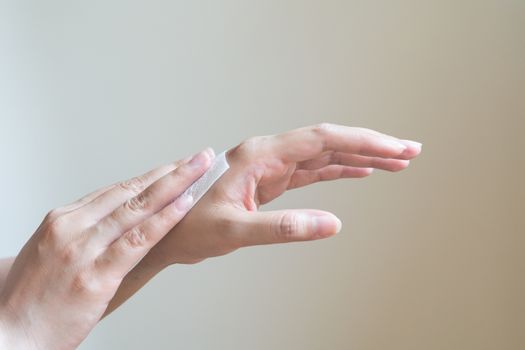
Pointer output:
x,y
151,265
133,281
15,332
3,336
9,338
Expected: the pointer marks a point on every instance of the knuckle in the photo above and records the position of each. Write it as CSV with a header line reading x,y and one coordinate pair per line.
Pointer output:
x,y
249,145
178,163
84,282
248,150
137,203
58,226
287,226
69,254
134,185
321,128
48,243
321,132
51,237
53,214
231,233
253,152
335,158
113,221
136,237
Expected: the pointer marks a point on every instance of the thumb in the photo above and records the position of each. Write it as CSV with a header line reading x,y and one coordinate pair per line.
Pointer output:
x,y
287,226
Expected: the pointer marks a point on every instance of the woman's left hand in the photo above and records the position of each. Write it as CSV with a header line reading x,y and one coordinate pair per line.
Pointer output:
x,y
63,279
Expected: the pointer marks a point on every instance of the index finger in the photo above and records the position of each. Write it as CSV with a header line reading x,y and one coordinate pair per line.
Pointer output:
x,y
311,141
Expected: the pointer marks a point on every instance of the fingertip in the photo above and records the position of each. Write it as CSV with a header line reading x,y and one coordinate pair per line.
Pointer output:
x,y
368,171
410,143
398,165
210,152
325,225
412,150
183,203
201,160
339,225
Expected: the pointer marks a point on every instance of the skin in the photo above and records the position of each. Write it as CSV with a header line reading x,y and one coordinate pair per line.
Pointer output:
x,y
60,284
261,169
87,258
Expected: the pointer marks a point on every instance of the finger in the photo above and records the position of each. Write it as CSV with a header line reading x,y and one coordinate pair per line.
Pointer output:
x,y
87,198
302,178
108,201
151,176
413,149
283,226
310,142
125,252
150,201
348,159
78,203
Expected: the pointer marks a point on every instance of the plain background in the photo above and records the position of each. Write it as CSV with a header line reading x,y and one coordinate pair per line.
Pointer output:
x,y
431,258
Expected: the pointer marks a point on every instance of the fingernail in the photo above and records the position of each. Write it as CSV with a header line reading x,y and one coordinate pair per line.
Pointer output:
x,y
325,225
199,159
412,143
210,152
184,202
394,144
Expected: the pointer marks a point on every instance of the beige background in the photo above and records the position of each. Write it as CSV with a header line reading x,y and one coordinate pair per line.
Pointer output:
x,y
431,258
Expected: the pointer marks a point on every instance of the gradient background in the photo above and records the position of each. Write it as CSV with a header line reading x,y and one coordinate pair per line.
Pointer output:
x,y
431,258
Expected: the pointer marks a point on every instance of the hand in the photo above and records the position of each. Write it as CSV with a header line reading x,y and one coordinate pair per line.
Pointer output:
x,y
261,169
64,277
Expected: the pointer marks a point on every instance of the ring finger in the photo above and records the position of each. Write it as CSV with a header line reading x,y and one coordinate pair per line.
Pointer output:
x,y
355,160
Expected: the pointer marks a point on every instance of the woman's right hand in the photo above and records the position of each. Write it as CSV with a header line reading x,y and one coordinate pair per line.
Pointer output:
x,y
265,167
66,274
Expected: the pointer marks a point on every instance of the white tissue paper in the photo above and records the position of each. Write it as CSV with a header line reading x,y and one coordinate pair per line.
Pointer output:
x,y
204,183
